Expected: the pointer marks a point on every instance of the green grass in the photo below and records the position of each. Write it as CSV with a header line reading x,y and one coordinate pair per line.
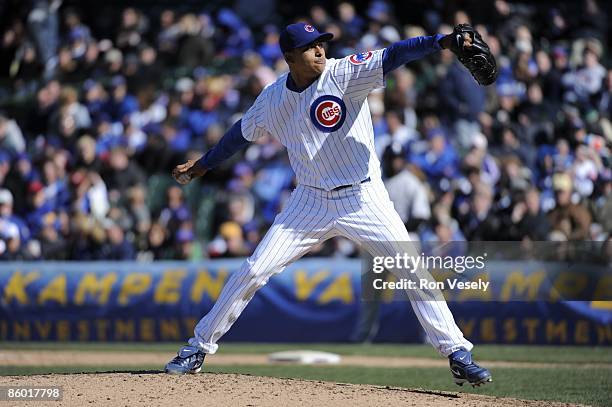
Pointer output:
x,y
559,384
517,353
539,384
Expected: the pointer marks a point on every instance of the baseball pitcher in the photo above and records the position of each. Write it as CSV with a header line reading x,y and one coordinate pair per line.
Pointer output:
x,y
319,112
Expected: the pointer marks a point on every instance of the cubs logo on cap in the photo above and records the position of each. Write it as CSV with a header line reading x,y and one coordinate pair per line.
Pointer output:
x,y
299,35
328,113
360,58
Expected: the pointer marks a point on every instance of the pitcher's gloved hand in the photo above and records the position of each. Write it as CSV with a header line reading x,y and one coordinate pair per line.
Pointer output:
x,y
472,52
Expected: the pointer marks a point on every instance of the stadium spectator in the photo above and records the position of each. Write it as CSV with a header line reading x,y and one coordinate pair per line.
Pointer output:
x,y
186,248
121,173
133,26
139,213
70,109
602,206
11,248
11,138
43,23
176,212
117,246
570,219
157,246
481,222
9,218
478,158
462,101
120,103
528,220
197,47
438,160
53,246
407,191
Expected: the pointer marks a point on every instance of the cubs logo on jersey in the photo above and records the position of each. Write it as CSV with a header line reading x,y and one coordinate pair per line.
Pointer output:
x,y
328,113
360,58
309,28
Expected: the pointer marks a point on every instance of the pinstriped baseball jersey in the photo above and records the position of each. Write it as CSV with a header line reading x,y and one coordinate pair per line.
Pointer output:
x,y
326,128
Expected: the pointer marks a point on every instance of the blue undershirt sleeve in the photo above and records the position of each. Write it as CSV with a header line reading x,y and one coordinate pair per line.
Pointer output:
x,y
402,52
231,142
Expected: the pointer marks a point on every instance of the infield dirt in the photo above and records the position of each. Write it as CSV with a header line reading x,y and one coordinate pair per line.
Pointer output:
x,y
215,389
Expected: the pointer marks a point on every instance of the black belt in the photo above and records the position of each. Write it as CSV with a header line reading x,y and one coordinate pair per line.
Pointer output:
x,y
351,185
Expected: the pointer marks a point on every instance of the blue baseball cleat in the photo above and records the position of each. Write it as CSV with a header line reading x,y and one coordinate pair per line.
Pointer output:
x,y
465,370
189,359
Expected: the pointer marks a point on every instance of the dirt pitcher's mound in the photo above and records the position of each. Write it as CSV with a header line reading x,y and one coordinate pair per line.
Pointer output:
x,y
207,389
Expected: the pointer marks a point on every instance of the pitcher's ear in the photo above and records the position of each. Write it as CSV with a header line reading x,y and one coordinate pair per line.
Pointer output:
x,y
289,56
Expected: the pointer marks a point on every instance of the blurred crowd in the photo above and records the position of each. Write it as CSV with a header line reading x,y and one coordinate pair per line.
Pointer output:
x,y
94,119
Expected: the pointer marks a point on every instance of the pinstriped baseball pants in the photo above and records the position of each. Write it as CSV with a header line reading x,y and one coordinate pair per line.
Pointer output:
x,y
362,213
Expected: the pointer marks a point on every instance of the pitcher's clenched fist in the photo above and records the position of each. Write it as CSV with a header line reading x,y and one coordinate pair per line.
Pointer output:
x,y
184,173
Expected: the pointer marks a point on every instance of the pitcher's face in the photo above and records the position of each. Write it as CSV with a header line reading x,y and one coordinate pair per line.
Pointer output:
x,y
309,60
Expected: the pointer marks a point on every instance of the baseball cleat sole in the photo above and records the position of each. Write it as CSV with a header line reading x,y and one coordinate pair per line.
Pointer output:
x,y
460,382
180,373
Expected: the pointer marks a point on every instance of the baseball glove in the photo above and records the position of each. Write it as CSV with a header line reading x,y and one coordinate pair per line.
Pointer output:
x,y
477,57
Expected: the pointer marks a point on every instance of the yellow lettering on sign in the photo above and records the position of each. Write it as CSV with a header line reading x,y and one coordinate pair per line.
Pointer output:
x,y
568,285
467,327
304,285
205,283
581,332
63,330
43,328
604,334
531,324
102,329
21,330
83,333
510,330
189,324
147,330
517,283
16,287
100,288
603,290
554,331
487,329
168,289
124,330
134,284
169,330
54,291
601,305
340,289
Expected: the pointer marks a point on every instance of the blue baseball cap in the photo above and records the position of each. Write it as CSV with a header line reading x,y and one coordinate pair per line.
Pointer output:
x,y
4,157
184,235
117,81
299,35
77,33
